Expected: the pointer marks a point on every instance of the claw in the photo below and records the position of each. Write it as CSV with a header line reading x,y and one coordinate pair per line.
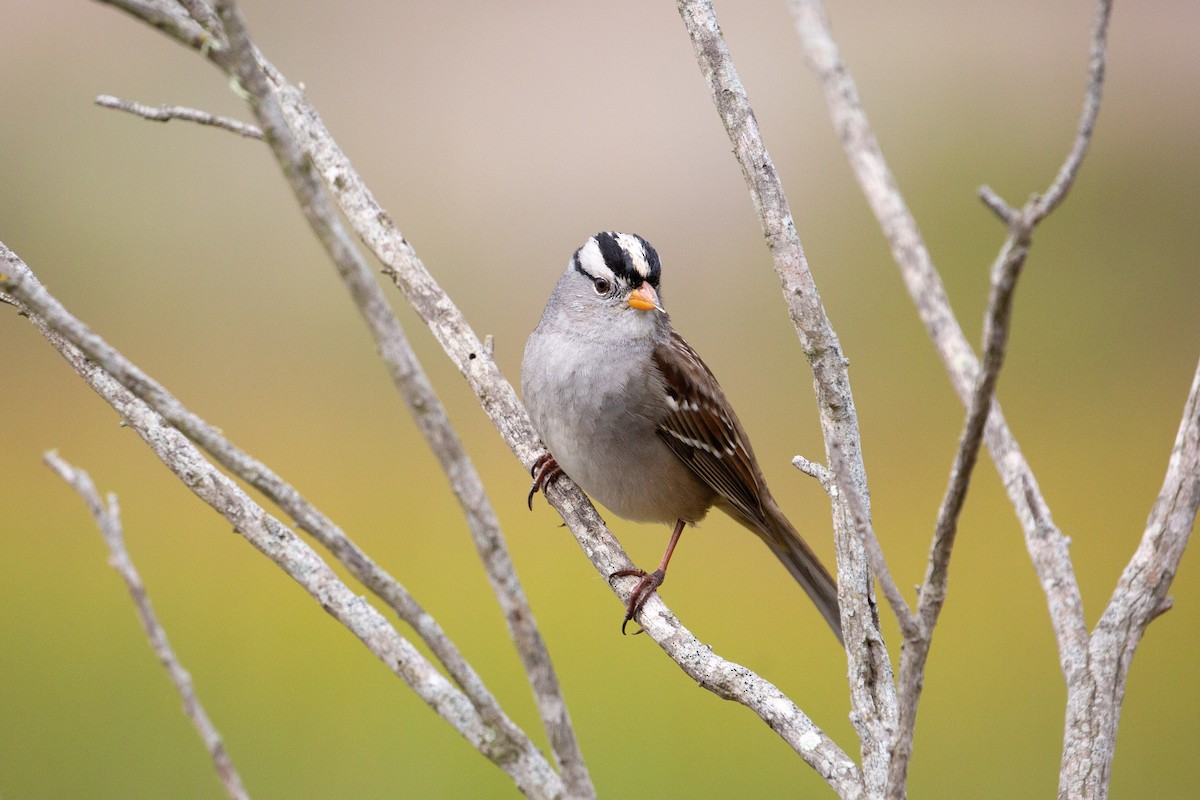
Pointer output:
x,y
650,581
544,471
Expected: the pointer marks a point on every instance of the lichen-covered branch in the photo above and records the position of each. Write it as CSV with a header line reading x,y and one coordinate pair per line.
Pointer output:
x,y
499,740
870,671
1047,545
241,60
37,299
1095,690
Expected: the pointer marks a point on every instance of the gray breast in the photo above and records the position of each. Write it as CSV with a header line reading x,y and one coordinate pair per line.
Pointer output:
x,y
592,412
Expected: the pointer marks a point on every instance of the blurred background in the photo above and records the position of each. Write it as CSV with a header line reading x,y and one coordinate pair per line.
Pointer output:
x,y
499,136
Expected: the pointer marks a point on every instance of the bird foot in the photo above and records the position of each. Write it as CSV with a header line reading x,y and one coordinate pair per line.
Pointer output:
x,y
544,471
650,581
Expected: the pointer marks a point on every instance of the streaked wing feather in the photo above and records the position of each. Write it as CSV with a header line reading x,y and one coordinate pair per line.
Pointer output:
x,y
705,435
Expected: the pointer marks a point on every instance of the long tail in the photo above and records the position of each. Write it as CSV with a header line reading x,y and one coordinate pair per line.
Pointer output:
x,y
800,560
797,556
813,578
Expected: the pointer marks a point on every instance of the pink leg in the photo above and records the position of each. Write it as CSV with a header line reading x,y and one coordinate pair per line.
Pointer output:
x,y
649,580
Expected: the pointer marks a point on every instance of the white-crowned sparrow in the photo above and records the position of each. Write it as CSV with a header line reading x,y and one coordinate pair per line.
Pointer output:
x,y
629,411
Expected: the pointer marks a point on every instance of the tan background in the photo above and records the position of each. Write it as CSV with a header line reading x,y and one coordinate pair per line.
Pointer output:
x,y
499,135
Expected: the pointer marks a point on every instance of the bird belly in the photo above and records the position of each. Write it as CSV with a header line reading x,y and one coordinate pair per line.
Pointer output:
x,y
641,481
617,458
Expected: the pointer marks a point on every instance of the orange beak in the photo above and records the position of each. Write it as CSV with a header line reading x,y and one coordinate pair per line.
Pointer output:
x,y
644,298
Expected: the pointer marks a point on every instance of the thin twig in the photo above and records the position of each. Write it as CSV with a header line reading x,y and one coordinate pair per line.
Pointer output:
x,y
815,470
1039,206
242,60
932,594
872,690
1095,684
1098,56
108,520
996,331
866,532
487,728
167,113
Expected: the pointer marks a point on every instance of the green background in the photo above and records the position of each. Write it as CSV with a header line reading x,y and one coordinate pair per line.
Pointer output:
x,y
499,136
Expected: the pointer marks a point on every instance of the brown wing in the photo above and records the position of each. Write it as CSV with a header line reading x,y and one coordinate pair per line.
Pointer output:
x,y
701,429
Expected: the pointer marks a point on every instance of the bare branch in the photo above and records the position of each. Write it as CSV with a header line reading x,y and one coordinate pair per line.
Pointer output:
x,y
1052,197
108,520
814,470
35,298
1095,669
997,204
411,380
932,594
872,690
1047,545
1041,205
479,719
202,12
1095,689
1149,573
167,113
170,18
1094,707
840,489
423,402
857,509
434,424
996,329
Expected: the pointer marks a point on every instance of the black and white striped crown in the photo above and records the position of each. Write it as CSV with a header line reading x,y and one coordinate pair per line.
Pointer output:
x,y
628,257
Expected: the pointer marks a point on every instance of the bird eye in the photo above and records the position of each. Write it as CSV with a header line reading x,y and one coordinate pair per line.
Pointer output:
x,y
602,286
